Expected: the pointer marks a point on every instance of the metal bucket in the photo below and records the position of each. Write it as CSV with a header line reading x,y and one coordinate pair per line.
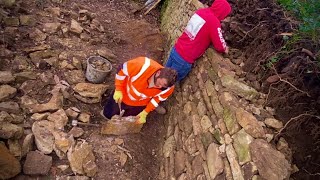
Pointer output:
x,y
97,69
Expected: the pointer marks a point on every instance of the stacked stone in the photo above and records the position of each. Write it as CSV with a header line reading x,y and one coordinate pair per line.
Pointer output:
x,y
44,128
217,126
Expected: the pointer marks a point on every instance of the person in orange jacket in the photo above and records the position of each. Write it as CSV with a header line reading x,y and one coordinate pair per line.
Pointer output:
x,y
140,84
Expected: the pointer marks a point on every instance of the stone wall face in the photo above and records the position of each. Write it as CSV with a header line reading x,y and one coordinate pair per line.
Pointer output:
x,y
217,126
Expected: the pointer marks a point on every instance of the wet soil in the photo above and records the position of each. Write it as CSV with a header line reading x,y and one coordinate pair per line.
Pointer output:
x,y
282,66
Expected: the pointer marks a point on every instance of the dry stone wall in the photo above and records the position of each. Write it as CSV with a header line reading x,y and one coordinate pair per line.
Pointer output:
x,y
217,126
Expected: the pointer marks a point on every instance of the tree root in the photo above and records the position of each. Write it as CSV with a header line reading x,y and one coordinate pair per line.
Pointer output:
x,y
285,81
309,53
292,119
311,174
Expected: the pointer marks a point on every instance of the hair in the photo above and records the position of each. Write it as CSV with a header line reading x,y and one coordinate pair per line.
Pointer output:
x,y
169,74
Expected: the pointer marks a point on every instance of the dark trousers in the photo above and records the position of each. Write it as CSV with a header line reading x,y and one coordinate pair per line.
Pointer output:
x,y
111,108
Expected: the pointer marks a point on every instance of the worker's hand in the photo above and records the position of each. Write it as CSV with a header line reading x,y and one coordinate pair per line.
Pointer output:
x,y
227,50
142,117
117,96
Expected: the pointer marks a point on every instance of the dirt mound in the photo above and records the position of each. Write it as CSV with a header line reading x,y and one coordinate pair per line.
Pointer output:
x,y
284,66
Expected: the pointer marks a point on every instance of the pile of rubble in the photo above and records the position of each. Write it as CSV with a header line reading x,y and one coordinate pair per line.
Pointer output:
x,y
46,127
34,128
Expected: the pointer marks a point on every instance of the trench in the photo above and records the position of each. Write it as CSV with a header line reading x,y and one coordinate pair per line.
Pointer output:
x,y
202,115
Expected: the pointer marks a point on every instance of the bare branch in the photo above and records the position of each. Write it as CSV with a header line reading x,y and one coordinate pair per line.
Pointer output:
x,y
311,174
292,119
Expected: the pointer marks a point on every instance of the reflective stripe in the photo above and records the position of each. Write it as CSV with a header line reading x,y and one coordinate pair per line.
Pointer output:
x,y
120,77
137,92
132,98
129,95
154,103
162,92
161,99
143,69
125,69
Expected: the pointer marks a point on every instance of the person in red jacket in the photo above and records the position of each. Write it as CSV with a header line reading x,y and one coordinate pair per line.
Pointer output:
x,y
203,29
140,84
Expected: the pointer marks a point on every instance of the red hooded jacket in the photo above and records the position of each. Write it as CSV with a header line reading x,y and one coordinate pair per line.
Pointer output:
x,y
203,29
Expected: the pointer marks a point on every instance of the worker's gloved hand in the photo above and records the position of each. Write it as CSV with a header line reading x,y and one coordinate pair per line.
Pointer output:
x,y
142,117
117,96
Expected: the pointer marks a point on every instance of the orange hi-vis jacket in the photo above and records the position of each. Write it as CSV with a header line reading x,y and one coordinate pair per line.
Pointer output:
x,y
132,80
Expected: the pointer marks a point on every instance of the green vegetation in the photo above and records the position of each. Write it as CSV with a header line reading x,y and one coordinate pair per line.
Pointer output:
x,y
308,12
272,60
164,5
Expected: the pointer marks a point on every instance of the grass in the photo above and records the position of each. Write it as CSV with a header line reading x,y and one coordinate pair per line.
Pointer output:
x,y
308,13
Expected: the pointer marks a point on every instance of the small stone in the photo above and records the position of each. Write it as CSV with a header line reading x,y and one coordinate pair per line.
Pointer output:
x,y
27,20
7,92
11,21
37,163
274,123
6,77
76,132
75,27
63,167
72,112
27,144
10,166
39,116
10,107
269,137
84,117
51,27
227,139
15,148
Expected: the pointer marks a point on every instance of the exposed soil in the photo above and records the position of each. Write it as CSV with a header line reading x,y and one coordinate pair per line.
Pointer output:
x,y
288,74
127,35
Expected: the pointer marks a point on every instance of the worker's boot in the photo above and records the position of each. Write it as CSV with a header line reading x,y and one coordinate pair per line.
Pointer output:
x,y
161,110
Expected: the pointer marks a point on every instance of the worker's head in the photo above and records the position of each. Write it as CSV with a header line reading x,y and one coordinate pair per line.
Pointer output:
x,y
165,77
221,9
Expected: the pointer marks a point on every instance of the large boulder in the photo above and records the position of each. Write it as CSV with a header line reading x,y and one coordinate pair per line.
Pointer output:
x,y
271,163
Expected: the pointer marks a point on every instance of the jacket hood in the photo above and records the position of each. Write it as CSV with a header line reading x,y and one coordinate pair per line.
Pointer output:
x,y
221,9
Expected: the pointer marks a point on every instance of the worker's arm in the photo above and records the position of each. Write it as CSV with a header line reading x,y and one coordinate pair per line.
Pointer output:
x,y
120,78
160,97
153,104
217,40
